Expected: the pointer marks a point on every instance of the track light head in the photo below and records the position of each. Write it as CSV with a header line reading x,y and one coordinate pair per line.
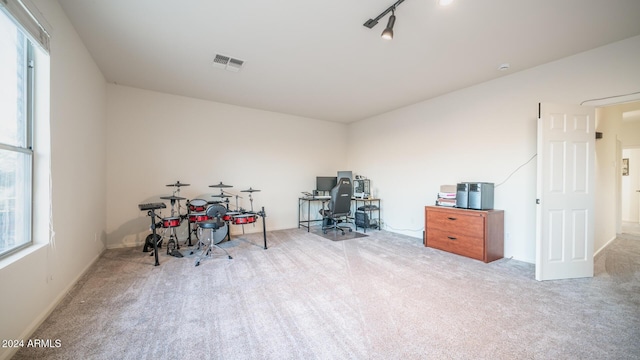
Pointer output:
x,y
387,33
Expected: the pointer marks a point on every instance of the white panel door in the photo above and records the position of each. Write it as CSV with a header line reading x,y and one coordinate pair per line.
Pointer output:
x,y
565,219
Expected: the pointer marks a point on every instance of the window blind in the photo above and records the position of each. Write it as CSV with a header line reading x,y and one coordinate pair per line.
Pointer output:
x,y
26,20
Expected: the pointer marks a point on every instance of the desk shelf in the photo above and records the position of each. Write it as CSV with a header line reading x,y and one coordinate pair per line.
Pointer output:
x,y
370,222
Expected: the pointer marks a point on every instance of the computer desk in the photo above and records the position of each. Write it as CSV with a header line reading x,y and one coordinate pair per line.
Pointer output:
x,y
354,205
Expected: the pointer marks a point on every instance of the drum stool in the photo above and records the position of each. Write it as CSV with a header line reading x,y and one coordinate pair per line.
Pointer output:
x,y
217,232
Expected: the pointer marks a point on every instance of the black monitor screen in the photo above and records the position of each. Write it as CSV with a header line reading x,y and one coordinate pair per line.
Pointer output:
x,y
326,183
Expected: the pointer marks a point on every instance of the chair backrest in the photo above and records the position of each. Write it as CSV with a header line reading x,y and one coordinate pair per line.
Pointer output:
x,y
340,204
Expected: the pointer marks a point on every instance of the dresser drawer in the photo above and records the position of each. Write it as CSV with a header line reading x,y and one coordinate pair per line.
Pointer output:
x,y
461,244
456,223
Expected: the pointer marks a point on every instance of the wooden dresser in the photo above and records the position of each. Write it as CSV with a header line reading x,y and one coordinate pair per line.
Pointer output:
x,y
478,234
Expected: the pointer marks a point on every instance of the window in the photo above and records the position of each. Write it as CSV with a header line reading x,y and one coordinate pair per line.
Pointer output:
x,y
16,128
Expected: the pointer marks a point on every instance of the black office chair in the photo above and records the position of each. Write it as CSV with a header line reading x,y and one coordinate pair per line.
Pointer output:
x,y
339,207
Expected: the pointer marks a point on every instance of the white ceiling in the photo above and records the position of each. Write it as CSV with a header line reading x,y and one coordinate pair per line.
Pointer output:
x,y
316,59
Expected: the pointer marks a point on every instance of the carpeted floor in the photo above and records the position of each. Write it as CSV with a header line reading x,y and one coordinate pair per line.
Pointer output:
x,y
383,296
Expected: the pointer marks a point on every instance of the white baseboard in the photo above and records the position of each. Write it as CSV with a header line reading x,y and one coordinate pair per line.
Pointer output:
x,y
603,247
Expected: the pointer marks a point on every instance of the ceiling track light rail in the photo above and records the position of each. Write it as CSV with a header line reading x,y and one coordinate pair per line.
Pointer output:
x,y
373,22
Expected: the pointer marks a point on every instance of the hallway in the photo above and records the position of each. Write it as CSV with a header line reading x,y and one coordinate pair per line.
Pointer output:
x,y
631,228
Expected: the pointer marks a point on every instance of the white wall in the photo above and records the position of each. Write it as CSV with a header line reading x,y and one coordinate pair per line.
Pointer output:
x,y
630,130
33,281
483,133
156,139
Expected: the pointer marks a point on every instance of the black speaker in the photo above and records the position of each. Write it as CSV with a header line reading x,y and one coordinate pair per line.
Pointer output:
x,y
462,195
481,196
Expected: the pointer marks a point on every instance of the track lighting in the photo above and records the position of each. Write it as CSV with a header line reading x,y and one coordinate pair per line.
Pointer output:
x,y
388,31
387,34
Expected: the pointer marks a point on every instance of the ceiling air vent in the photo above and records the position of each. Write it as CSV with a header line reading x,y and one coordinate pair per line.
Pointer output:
x,y
227,63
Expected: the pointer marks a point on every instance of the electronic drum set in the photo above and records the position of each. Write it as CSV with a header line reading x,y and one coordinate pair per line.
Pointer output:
x,y
208,221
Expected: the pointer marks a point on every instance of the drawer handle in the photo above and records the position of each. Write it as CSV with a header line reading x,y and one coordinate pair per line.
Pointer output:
x,y
452,238
452,218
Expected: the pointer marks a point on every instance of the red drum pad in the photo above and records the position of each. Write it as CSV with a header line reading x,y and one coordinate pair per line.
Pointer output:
x,y
243,219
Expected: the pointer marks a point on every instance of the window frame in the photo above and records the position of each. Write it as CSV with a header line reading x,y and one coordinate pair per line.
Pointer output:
x,y
24,237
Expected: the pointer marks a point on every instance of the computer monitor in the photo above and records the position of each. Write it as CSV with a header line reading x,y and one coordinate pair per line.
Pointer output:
x,y
326,183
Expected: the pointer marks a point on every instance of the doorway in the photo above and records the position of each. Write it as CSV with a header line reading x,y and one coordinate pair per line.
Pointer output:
x,y
629,169
630,191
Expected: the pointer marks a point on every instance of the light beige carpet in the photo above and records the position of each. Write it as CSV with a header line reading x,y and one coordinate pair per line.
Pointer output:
x,y
383,296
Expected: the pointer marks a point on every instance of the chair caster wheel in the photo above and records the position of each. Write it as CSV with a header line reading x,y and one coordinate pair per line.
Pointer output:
x,y
197,263
230,257
350,230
